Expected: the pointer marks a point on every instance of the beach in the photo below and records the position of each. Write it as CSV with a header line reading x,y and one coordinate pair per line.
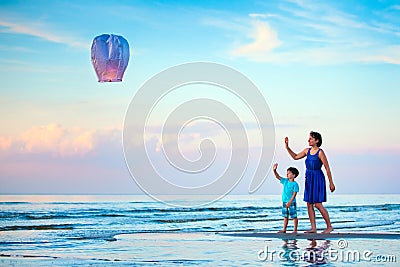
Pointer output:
x,y
98,230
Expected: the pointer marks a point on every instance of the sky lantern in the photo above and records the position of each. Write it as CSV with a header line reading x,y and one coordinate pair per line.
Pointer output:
x,y
110,57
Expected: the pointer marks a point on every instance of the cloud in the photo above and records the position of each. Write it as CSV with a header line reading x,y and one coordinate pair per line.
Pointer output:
x,y
54,159
264,16
264,38
389,55
58,141
5,142
318,33
40,31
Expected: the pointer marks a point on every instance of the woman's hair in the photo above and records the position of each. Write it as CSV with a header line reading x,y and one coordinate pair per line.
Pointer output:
x,y
317,136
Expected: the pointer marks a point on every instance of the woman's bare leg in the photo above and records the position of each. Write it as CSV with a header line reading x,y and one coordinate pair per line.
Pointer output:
x,y
325,215
311,216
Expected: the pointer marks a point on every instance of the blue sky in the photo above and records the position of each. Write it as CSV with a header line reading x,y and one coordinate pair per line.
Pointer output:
x,y
332,67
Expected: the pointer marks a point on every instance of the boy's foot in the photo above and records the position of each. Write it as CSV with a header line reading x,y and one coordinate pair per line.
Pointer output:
x,y
311,231
328,230
281,231
294,232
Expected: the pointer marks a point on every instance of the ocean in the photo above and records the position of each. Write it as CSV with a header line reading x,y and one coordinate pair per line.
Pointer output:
x,y
135,230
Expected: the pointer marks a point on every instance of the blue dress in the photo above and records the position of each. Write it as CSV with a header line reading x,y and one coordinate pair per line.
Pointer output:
x,y
315,188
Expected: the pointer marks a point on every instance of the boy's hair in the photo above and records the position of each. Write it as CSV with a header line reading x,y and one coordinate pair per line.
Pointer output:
x,y
317,136
294,171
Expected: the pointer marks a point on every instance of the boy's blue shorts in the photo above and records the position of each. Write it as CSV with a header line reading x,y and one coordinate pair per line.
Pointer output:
x,y
290,212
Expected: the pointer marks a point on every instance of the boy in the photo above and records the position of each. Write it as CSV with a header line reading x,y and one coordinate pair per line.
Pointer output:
x,y
289,192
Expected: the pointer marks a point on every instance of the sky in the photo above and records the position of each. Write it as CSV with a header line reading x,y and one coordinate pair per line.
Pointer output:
x,y
327,66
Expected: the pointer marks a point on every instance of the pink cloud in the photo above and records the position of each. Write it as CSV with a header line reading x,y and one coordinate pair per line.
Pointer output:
x,y
58,159
57,140
5,142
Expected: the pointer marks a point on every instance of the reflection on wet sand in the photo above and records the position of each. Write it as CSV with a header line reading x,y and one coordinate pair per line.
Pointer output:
x,y
315,252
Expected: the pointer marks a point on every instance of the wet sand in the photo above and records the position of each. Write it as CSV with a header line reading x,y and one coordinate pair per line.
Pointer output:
x,y
317,236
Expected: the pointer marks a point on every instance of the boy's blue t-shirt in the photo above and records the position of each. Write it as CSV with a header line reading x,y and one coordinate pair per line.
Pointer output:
x,y
288,189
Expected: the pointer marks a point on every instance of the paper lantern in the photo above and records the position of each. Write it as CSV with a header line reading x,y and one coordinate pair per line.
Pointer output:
x,y
110,57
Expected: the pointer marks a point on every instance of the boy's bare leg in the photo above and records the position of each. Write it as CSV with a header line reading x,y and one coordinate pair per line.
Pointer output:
x,y
295,223
311,216
325,215
285,223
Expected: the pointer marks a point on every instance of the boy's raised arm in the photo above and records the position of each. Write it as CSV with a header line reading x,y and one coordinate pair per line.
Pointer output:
x,y
275,172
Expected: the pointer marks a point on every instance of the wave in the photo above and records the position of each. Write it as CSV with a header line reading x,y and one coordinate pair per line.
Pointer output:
x,y
209,218
359,225
60,215
90,213
44,217
37,227
109,235
29,256
382,207
14,202
126,211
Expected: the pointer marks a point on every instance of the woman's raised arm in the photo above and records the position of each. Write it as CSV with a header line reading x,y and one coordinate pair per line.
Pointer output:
x,y
295,156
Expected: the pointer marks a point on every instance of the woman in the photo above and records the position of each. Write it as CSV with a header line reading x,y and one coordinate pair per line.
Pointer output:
x,y
315,188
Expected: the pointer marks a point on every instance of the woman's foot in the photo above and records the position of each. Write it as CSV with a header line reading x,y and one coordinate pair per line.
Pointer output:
x,y
328,230
281,231
311,231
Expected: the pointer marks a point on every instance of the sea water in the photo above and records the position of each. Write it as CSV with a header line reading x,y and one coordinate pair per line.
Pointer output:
x,y
135,230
